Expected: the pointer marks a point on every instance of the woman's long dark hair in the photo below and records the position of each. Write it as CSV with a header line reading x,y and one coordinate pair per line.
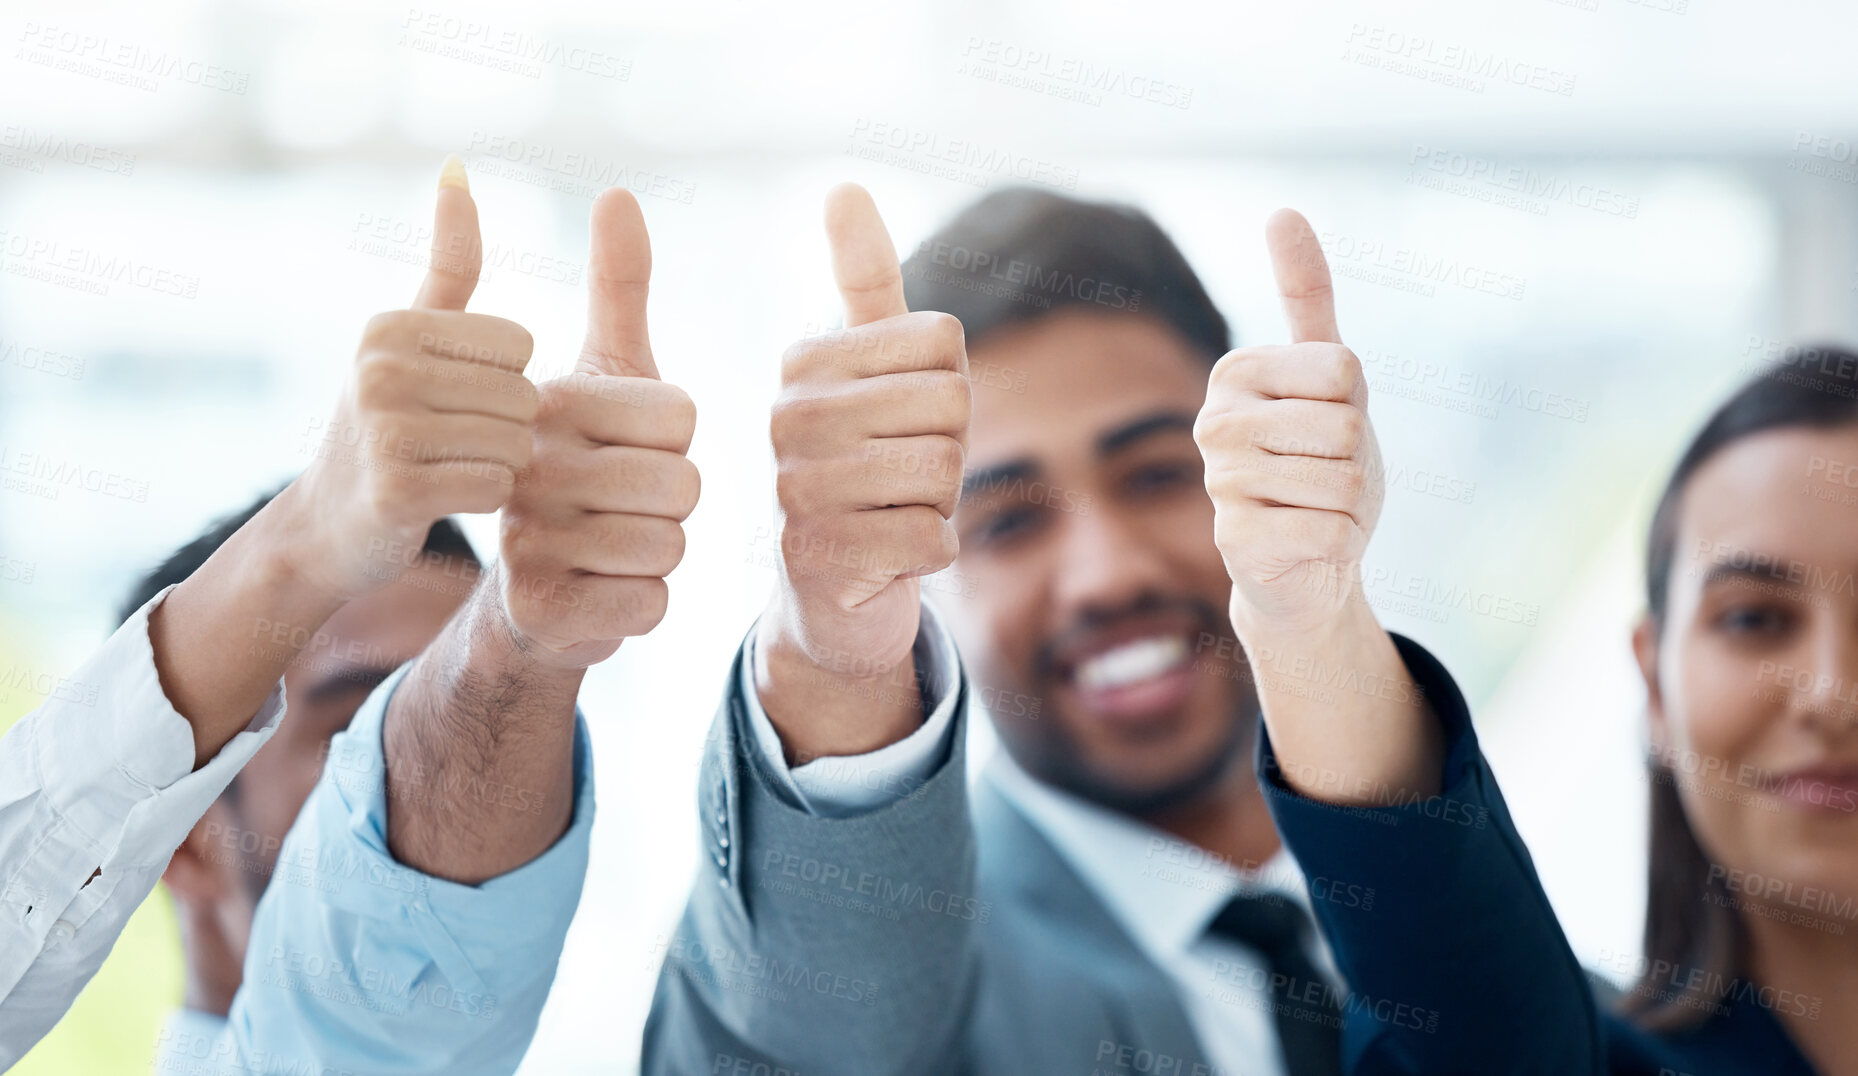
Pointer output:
x,y
1690,921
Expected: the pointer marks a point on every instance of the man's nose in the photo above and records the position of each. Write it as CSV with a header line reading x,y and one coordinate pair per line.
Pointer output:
x,y
1105,562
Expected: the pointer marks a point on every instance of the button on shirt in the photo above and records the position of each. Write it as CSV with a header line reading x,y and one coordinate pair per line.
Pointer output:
x,y
1165,892
97,790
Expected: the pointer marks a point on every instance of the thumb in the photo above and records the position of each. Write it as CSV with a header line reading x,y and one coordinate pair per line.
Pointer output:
x,y
619,272
863,261
457,249
1302,278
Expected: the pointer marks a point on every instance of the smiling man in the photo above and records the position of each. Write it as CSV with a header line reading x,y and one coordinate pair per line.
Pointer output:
x,y
1110,895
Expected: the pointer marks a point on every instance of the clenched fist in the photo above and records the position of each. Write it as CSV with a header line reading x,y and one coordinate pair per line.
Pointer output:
x,y
595,523
1291,460
869,433
434,420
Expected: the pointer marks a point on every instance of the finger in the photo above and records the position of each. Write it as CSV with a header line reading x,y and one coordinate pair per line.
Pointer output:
x,y
636,411
1292,372
619,273
1317,428
1284,534
458,388
625,478
1299,482
864,263
612,544
442,438
810,422
1302,277
925,340
457,248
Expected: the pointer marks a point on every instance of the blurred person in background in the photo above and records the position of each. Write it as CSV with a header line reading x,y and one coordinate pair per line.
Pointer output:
x,y
1749,653
101,784
1110,895
221,870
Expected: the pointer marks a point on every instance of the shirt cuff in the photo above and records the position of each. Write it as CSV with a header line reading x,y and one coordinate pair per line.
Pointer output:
x,y
847,785
117,760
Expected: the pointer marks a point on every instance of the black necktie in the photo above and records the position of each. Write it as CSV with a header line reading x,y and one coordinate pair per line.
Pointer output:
x,y
1303,1004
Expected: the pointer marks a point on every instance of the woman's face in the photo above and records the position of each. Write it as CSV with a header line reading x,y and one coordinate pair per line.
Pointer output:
x,y
1754,678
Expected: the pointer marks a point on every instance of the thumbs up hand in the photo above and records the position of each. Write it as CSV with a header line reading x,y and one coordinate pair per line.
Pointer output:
x,y
869,433
1291,460
434,420
595,522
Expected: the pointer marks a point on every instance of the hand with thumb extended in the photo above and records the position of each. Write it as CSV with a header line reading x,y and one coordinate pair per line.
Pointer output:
x,y
596,521
1291,460
869,434
434,420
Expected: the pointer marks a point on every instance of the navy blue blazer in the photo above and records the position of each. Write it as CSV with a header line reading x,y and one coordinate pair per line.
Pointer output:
x,y
1450,948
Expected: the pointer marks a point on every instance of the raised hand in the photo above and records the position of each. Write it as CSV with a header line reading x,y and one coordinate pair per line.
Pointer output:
x,y
1296,480
434,420
1291,459
869,433
595,523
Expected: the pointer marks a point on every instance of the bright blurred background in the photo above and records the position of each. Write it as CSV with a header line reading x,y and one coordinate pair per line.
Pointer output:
x,y
1561,229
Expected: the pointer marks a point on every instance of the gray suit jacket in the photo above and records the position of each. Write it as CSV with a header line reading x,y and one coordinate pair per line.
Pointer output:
x,y
942,934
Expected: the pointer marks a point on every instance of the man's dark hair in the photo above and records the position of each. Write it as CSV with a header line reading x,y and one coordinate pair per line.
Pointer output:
x,y
1020,254
444,539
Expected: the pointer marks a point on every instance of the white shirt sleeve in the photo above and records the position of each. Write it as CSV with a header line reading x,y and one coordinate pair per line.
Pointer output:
x,y
97,790
846,785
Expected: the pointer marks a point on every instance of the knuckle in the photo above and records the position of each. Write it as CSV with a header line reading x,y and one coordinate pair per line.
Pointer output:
x,y
1354,430
378,379
682,411
384,327
797,360
687,487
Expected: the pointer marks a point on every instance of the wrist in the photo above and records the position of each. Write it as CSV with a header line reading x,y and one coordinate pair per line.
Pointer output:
x,y
831,707
1348,624
496,644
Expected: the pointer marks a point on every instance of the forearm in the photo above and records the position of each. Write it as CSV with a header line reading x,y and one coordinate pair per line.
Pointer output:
x,y
479,746
825,707
1349,723
224,636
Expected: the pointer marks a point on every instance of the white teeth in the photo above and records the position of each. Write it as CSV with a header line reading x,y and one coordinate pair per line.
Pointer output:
x,y
1133,661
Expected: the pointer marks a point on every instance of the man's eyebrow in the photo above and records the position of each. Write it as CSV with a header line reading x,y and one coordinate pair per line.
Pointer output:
x,y
983,481
1726,573
1147,426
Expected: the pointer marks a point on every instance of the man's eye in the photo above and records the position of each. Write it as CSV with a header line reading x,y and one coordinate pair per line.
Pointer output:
x,y
1754,620
1006,525
1161,476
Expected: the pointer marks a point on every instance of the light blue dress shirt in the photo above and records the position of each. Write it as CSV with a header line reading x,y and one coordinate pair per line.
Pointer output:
x,y
358,964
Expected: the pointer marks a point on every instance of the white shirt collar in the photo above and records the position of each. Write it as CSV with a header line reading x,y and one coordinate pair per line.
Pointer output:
x,y
1163,890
